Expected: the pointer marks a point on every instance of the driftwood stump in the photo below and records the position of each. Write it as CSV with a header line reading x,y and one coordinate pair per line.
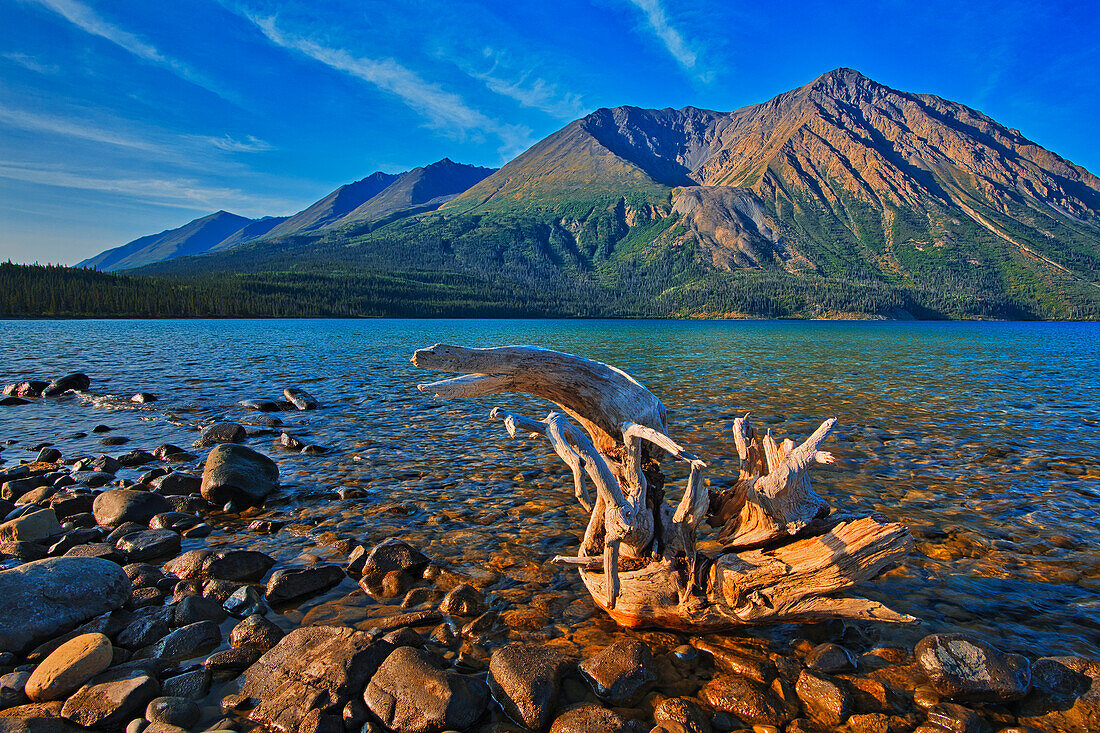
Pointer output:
x,y
786,556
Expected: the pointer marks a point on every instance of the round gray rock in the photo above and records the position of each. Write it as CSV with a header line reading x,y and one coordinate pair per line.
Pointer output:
x,y
238,474
40,599
116,506
963,668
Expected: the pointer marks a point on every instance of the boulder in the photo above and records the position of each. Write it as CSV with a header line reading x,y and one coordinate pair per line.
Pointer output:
x,y
389,555
681,714
42,598
238,474
186,642
312,667
69,666
193,685
260,404
409,693
746,699
245,566
831,659
621,673
963,668
591,718
463,600
291,584
526,680
255,631
77,381
245,601
26,388
111,699
31,527
176,483
301,399
13,689
117,506
221,432
193,609
149,544
178,711
824,700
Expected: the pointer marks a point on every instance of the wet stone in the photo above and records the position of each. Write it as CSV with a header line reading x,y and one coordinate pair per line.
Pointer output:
x,y
77,381
620,673
222,432
233,660
68,667
525,680
111,699
260,404
149,544
747,700
291,584
142,398
118,506
824,700
301,399
590,718
312,667
186,642
177,521
178,711
193,609
245,601
239,565
392,554
193,685
409,693
831,659
963,668
956,718
256,631
234,473
176,483
463,600
41,598
681,715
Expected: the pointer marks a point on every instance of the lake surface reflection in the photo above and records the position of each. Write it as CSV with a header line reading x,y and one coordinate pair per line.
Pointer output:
x,y
982,437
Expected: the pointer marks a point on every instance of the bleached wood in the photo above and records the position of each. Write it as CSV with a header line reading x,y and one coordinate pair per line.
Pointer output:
x,y
786,558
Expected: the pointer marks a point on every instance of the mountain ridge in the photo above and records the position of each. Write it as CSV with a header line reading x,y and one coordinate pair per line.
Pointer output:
x,y
842,179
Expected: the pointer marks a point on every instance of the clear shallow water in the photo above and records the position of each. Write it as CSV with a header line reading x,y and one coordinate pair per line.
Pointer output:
x,y
982,437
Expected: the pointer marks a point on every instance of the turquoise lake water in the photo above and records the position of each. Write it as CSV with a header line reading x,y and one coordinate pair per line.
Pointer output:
x,y
982,437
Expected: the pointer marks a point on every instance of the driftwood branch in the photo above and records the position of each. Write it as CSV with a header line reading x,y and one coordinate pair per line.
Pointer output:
x,y
787,556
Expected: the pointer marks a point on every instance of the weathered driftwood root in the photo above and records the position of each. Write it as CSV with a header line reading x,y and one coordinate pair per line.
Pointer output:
x,y
787,557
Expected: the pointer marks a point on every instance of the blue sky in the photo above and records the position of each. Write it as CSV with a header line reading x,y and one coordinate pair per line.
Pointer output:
x,y
124,118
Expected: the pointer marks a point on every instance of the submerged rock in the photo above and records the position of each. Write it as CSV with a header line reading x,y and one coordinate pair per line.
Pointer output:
x,y
40,599
301,399
389,555
620,673
964,668
77,382
221,432
238,474
590,718
290,584
409,693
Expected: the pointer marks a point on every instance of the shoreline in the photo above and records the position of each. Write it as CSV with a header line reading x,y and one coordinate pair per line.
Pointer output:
x,y
485,646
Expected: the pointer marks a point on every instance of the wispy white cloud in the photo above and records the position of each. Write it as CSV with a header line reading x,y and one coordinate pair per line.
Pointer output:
x,y
59,126
527,88
87,20
673,40
250,144
180,146
177,192
32,63
444,110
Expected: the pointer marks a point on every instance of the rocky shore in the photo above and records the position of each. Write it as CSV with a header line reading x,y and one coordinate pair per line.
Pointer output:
x,y
122,609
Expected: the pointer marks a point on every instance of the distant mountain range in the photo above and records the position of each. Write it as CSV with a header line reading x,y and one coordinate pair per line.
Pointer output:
x,y
842,197
373,197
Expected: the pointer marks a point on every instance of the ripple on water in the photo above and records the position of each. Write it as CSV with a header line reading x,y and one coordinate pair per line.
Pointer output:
x,y
982,437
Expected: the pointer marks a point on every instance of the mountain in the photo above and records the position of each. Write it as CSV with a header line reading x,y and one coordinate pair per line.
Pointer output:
x,y
193,238
422,187
335,206
843,197
374,197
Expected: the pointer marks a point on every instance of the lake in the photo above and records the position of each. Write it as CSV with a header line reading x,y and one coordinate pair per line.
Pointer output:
x,y
982,437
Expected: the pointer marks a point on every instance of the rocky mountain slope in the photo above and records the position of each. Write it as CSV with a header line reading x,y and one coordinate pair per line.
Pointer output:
x,y
838,186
